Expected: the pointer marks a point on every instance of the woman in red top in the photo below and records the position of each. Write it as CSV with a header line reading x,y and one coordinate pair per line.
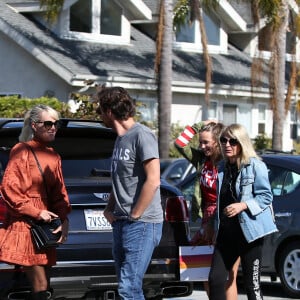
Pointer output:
x,y
25,195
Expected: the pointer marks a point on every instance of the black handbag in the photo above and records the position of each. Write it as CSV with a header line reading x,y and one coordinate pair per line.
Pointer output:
x,y
42,232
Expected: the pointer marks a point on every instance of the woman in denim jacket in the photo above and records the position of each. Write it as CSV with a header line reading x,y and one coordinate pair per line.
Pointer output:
x,y
244,213
205,159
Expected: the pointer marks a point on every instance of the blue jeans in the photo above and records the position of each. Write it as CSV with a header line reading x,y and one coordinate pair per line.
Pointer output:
x,y
133,247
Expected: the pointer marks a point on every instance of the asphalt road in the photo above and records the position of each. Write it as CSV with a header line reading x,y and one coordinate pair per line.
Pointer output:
x,y
271,291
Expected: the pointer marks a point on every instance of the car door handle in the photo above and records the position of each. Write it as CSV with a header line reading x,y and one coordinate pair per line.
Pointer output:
x,y
283,214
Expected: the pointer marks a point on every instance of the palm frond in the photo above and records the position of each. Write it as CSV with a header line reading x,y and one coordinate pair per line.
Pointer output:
x,y
53,8
181,13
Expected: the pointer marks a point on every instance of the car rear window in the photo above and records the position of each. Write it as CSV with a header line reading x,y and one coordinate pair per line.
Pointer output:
x,y
86,167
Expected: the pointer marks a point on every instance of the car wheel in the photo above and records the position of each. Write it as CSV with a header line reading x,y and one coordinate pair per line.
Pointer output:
x,y
289,269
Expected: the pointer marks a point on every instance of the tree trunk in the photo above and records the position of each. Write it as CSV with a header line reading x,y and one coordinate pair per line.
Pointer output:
x,y
278,79
165,83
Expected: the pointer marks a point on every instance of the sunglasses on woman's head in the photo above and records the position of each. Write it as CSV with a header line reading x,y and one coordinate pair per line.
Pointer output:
x,y
232,142
48,124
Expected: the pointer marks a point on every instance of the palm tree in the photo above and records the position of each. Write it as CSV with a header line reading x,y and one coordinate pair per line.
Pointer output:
x,y
163,70
278,15
163,64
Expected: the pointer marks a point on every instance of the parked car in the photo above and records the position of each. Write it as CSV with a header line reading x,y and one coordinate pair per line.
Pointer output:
x,y
281,252
175,170
85,265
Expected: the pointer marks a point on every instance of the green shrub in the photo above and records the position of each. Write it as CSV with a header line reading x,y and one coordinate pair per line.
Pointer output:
x,y
262,142
296,147
15,107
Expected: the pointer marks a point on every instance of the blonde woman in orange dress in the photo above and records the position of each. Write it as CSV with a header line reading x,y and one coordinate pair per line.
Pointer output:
x,y
25,195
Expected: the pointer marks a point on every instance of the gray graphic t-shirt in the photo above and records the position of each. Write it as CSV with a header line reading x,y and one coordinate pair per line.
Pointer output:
x,y
137,145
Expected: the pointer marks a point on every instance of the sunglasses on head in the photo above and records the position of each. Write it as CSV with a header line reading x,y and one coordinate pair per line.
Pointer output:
x,y
232,142
48,124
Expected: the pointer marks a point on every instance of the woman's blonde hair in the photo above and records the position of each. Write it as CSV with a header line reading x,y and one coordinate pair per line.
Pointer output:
x,y
33,115
239,132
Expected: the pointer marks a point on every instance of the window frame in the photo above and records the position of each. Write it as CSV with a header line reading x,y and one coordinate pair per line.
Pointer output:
x,y
95,35
281,184
148,106
213,109
197,45
263,121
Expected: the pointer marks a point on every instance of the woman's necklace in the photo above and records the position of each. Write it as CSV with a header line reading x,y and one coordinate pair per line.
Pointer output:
x,y
232,174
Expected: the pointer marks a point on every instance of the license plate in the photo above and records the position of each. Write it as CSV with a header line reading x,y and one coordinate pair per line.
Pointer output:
x,y
95,220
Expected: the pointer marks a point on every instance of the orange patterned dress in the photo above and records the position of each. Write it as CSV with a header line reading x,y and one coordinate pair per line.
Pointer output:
x,y
25,195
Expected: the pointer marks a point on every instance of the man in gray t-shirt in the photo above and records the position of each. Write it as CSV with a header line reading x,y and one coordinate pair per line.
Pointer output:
x,y
135,147
134,207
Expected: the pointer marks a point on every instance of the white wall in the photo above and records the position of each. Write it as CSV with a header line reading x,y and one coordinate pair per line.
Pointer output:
x,y
186,109
22,74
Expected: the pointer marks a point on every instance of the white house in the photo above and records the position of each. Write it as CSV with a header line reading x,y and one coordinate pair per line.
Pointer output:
x,y
113,42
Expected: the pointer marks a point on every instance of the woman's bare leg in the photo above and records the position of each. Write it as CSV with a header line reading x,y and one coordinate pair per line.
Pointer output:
x,y
231,287
38,277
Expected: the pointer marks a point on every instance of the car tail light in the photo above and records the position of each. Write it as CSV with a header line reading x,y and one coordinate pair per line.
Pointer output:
x,y
176,209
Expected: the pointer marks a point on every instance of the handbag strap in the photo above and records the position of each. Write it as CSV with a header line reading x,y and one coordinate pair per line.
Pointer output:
x,y
40,168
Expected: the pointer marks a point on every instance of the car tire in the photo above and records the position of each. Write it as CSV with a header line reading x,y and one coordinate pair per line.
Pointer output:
x,y
289,269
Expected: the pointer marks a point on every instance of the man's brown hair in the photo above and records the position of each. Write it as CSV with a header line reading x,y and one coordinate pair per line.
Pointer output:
x,y
117,100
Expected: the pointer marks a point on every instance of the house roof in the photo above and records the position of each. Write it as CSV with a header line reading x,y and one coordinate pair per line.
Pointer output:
x,y
137,8
76,61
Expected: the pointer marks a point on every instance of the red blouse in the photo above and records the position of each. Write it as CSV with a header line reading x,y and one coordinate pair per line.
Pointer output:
x,y
208,185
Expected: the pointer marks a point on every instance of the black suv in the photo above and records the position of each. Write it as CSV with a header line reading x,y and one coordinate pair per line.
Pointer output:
x,y
281,253
85,267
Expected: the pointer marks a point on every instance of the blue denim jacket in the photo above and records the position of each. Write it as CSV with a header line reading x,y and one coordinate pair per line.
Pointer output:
x,y
253,187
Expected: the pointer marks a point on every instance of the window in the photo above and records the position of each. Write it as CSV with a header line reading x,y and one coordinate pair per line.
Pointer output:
x,y
212,110
229,114
186,34
175,171
147,110
294,113
266,34
283,181
110,21
212,30
101,20
81,16
294,121
261,118
189,37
